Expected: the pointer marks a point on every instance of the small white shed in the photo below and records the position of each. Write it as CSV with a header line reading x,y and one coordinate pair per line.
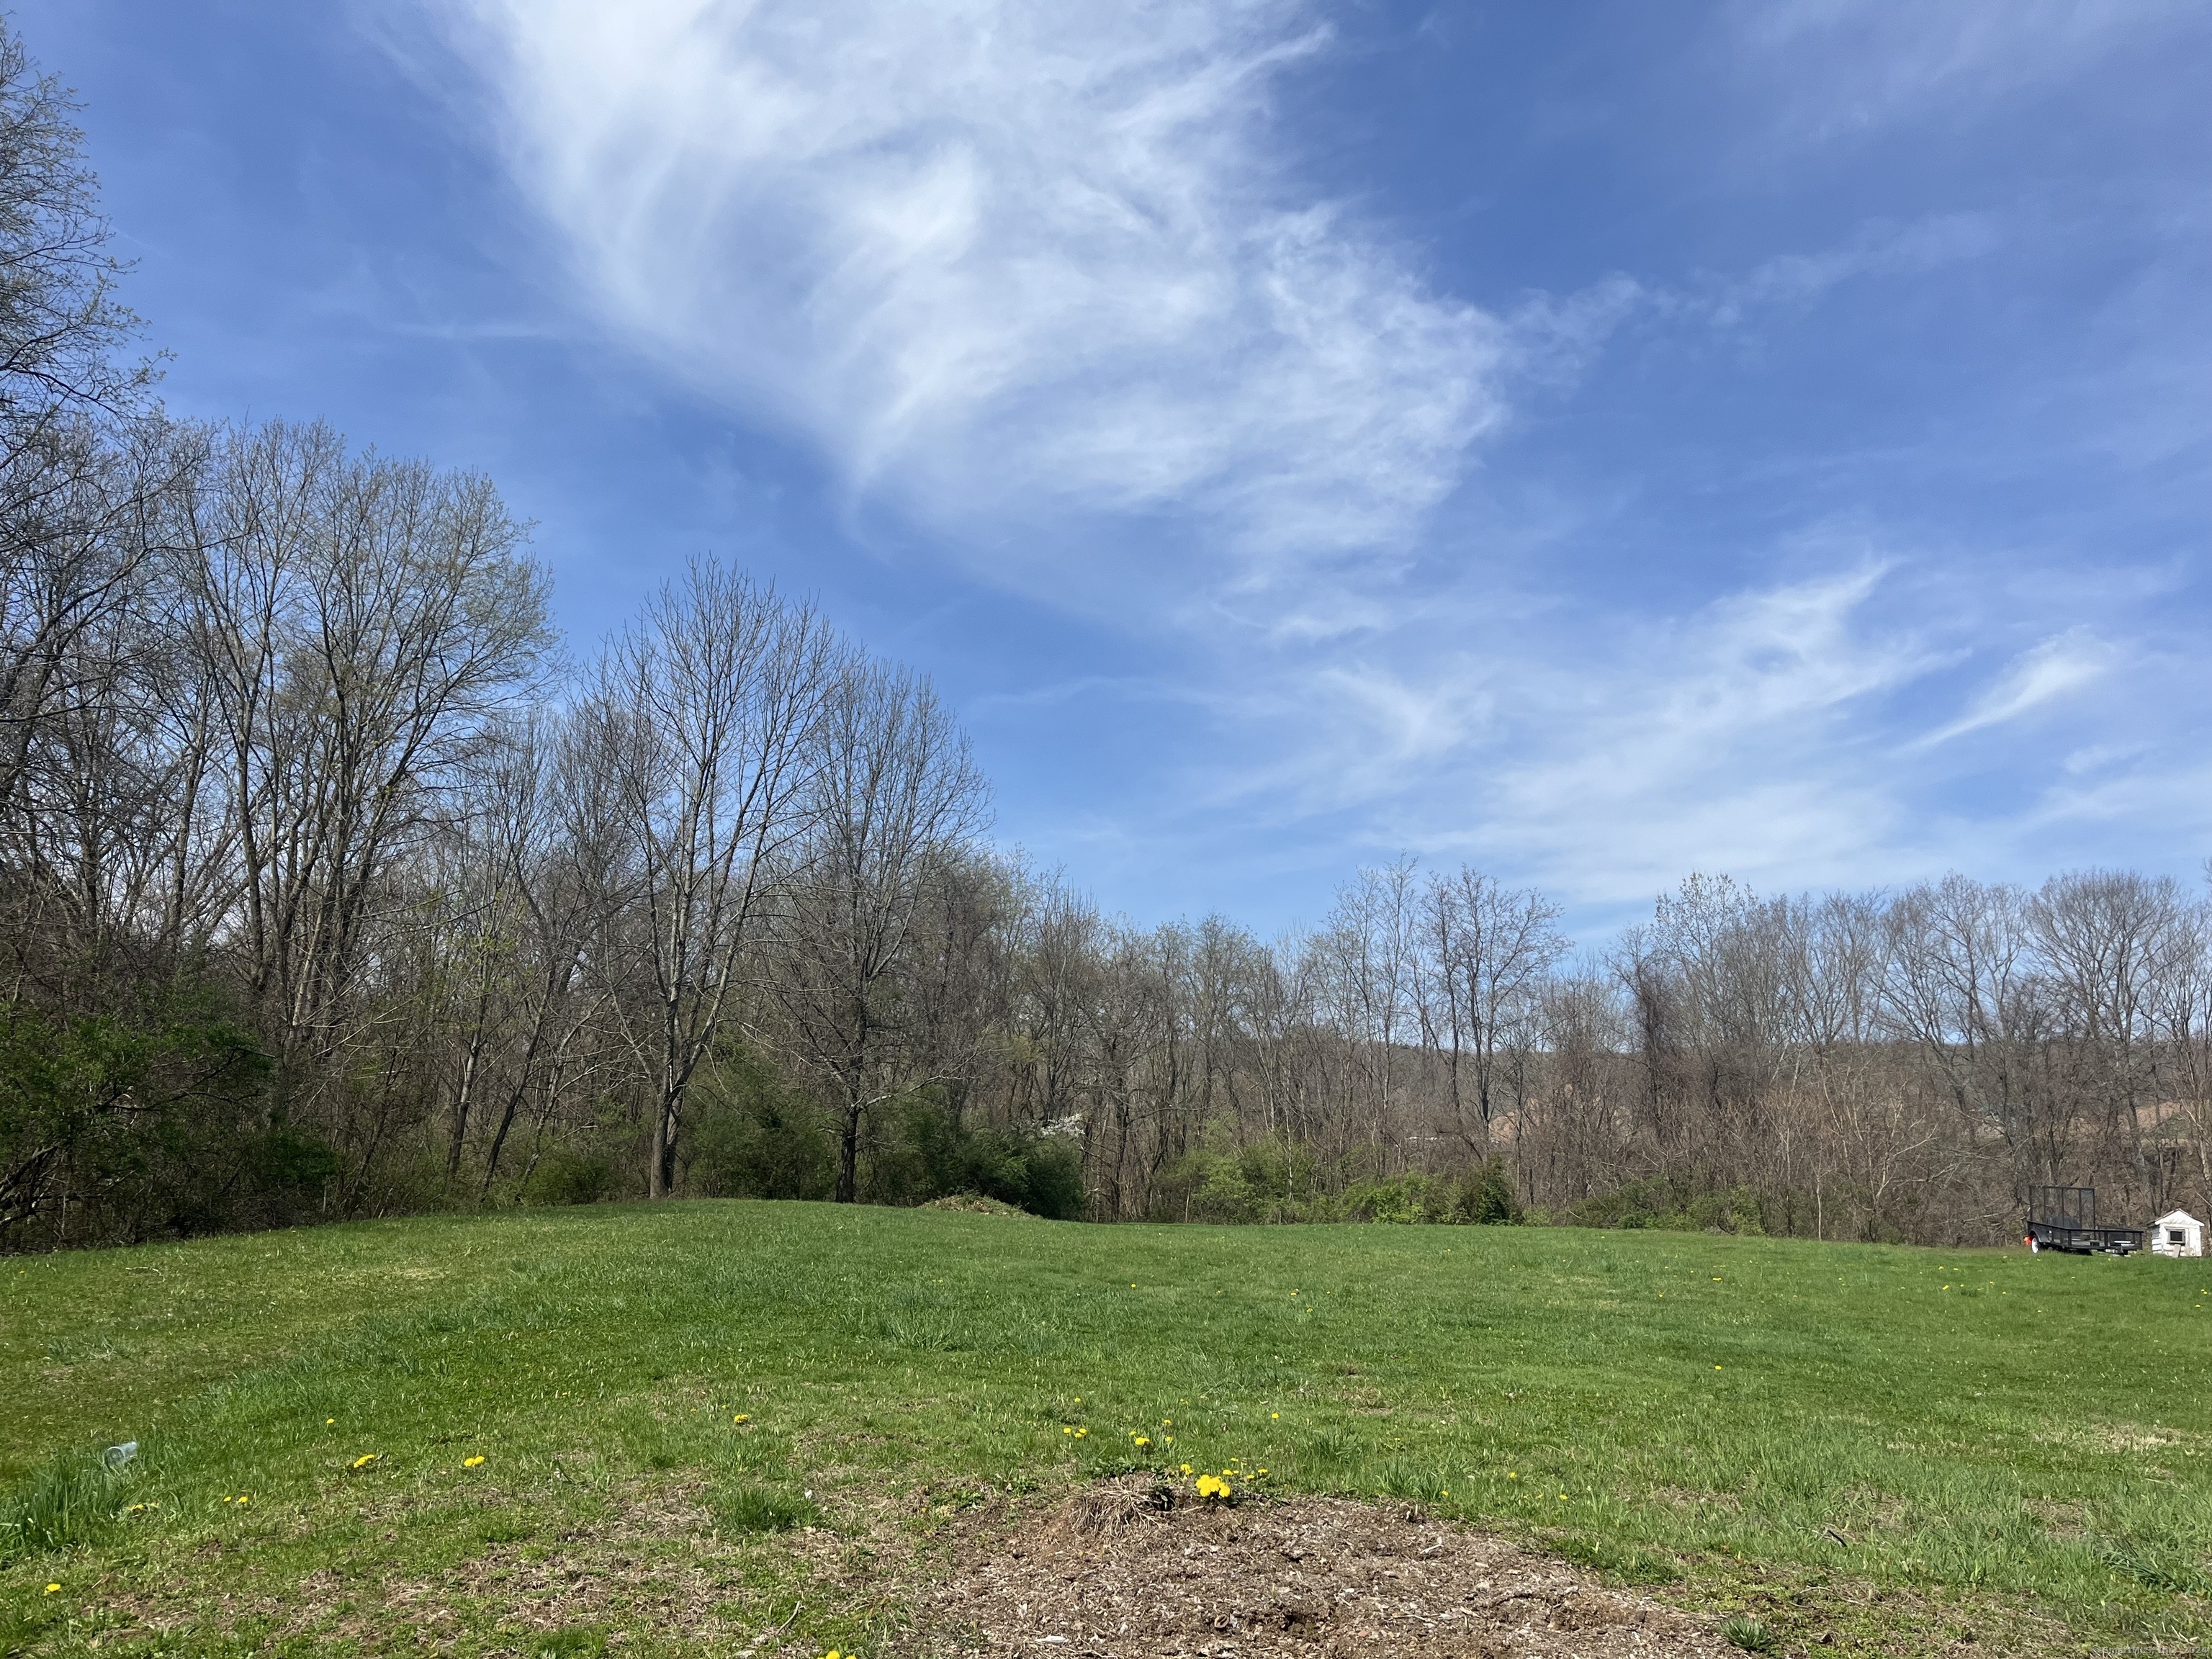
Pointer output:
x,y
2177,1234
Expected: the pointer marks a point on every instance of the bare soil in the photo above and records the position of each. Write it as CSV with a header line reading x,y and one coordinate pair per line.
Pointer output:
x,y
1133,1568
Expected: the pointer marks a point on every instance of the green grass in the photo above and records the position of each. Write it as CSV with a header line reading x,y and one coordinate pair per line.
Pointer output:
x,y
1887,1446
68,1500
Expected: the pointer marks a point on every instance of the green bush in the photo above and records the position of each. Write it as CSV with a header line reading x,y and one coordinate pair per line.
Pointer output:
x,y
1272,1180
1039,1173
1671,1206
571,1174
1205,1185
925,1151
1409,1199
153,1118
1483,1197
1487,1197
753,1136
1265,1179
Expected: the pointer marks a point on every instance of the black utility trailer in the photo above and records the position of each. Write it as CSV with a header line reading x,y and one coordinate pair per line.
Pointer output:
x,y
2065,1218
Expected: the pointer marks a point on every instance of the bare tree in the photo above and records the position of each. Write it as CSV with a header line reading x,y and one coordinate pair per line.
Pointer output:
x,y
2107,938
891,798
523,877
60,318
1372,943
1962,987
1493,949
709,704
362,624
67,500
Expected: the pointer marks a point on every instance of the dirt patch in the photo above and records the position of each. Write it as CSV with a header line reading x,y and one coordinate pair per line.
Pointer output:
x,y
1132,1569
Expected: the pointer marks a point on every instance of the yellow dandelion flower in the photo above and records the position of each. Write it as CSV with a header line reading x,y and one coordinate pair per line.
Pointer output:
x,y
1142,1441
52,1588
328,1421
743,1416
366,1459
472,1462
1081,1433
1275,1417
1511,1475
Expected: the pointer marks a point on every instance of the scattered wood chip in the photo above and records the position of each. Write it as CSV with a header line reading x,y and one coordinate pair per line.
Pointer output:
x,y
1130,1570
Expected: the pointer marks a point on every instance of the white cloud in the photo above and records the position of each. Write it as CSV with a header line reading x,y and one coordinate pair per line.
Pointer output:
x,y
1599,755
2057,668
1877,249
1004,261
2099,757
1046,279
1725,740
1602,755
1857,65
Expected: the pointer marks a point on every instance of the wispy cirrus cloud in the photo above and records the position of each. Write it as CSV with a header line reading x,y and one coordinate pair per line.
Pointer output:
x,y
1852,66
1725,738
2056,668
1048,282
1598,753
1770,732
1879,248
1004,262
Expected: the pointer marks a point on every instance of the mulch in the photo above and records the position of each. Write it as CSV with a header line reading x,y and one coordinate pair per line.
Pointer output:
x,y
1135,1568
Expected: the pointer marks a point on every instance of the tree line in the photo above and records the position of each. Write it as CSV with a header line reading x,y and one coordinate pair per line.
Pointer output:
x,y
330,887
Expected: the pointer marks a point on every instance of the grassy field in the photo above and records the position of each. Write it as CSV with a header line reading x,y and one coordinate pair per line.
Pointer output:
x,y
582,1430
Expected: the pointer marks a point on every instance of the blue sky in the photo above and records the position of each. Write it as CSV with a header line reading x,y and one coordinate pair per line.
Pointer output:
x,y
1596,441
